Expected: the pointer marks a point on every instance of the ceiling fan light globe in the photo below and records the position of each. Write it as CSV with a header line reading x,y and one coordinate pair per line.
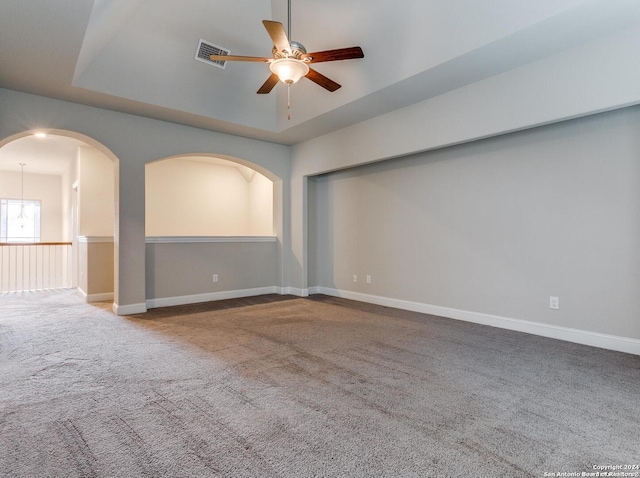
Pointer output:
x,y
289,70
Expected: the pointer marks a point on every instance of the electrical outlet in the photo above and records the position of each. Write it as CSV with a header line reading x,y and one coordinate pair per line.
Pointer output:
x,y
554,303
368,279
215,277
355,278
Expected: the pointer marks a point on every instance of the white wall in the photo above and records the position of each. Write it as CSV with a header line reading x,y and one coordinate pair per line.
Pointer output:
x,y
96,196
44,187
495,227
197,198
69,177
260,206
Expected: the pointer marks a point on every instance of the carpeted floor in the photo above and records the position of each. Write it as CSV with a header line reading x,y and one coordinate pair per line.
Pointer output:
x,y
282,386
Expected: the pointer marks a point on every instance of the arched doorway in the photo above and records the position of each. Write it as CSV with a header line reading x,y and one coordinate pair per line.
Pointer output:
x,y
74,179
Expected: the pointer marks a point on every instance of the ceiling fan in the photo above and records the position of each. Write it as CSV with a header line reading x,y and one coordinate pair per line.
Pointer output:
x,y
291,61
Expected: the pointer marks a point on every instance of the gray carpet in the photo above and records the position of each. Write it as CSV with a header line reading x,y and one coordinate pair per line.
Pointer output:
x,y
290,387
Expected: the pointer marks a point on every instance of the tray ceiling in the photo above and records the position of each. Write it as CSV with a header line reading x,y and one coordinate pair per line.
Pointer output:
x,y
137,56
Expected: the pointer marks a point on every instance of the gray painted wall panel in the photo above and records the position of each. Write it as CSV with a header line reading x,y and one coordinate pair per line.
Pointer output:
x,y
496,226
182,269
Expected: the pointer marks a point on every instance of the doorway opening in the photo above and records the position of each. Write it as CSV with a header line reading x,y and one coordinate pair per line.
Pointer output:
x,y
74,180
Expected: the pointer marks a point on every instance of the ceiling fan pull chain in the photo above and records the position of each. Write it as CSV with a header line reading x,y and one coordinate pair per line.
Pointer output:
x,y
289,101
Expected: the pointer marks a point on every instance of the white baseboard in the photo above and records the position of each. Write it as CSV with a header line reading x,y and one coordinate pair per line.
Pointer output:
x,y
611,342
99,297
129,309
89,298
209,297
293,291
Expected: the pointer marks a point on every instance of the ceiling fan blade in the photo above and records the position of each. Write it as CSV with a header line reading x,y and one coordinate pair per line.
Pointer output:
x,y
269,84
333,55
322,80
238,58
277,34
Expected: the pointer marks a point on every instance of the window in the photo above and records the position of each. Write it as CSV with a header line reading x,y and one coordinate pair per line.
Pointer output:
x,y
19,220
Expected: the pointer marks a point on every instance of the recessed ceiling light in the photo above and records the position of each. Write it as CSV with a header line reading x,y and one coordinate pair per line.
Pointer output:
x,y
40,135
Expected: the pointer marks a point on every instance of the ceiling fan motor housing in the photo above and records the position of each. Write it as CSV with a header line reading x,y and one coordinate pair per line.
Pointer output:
x,y
297,50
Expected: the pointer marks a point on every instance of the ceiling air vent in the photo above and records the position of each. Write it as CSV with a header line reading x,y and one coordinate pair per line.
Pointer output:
x,y
205,49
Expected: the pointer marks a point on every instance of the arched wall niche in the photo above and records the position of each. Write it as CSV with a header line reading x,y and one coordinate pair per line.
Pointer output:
x,y
202,244
203,194
234,159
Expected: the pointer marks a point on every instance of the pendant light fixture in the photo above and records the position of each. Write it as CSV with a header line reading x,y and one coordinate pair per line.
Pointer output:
x,y
22,217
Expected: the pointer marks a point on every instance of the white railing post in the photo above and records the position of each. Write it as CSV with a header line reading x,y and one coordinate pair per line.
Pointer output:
x,y
35,266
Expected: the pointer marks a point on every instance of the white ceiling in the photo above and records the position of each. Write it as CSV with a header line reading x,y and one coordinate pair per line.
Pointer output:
x,y
50,155
137,56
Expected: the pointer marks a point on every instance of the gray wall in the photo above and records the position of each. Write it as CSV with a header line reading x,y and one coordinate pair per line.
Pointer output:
x,y
576,82
186,269
495,226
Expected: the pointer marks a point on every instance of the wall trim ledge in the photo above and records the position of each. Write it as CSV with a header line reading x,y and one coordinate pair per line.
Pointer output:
x,y
95,239
584,337
206,239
